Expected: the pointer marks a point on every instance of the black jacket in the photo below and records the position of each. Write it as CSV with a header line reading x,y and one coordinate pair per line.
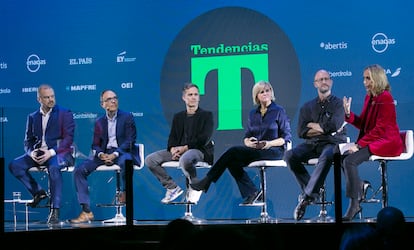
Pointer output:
x,y
201,133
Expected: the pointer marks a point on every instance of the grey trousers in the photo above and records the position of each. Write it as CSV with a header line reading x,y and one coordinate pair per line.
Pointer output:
x,y
187,164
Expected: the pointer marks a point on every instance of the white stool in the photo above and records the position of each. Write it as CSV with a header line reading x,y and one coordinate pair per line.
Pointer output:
x,y
407,138
322,202
262,165
17,200
188,214
119,217
45,172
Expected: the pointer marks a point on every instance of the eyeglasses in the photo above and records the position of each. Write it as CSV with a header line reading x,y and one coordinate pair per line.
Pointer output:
x,y
110,99
323,79
367,78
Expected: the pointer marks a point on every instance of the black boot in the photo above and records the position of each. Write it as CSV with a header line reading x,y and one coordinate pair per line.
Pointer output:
x,y
201,185
53,217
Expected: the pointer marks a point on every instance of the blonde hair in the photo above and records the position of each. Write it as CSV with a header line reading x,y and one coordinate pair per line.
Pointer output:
x,y
379,79
259,86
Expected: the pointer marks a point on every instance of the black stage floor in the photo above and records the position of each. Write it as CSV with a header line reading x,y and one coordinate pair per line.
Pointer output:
x,y
280,233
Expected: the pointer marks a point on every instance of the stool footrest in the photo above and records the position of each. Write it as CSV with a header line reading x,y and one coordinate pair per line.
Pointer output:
x,y
255,204
180,203
371,201
322,203
110,205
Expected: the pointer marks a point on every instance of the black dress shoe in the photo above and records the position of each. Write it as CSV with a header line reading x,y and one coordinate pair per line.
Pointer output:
x,y
201,185
53,217
256,197
301,207
41,195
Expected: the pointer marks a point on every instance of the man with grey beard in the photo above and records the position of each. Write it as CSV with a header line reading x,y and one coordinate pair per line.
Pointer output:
x,y
321,126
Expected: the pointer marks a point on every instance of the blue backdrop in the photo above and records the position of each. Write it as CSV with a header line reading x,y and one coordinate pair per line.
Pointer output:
x,y
146,50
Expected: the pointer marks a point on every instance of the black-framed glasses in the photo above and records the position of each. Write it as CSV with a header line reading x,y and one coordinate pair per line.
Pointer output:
x,y
110,99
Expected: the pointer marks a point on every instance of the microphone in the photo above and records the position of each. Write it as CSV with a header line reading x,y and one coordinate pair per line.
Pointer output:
x,y
339,129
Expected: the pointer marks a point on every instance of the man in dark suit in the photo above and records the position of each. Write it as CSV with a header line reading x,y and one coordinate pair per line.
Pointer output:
x,y
48,140
114,139
188,143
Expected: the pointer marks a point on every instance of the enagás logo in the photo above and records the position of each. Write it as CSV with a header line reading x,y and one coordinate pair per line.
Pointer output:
x,y
34,62
380,42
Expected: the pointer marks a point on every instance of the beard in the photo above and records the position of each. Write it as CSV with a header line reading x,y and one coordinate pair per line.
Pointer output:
x,y
324,90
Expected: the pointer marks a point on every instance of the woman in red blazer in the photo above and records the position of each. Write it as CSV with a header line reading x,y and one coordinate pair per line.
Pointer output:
x,y
378,133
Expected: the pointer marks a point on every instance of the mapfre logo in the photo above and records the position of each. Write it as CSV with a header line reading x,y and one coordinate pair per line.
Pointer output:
x,y
225,52
34,62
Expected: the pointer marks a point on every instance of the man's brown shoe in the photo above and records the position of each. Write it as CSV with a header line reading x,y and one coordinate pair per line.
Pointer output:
x,y
83,217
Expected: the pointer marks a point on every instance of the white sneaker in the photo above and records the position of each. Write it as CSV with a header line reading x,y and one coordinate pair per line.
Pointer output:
x,y
193,195
172,194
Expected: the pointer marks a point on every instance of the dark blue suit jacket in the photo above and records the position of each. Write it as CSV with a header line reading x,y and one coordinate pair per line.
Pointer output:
x,y
126,135
59,133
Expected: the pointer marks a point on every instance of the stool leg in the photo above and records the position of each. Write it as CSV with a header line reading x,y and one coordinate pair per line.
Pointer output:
x,y
14,214
323,213
383,165
188,214
119,217
264,215
27,217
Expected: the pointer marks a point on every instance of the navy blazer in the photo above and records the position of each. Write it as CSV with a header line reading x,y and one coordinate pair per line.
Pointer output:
x,y
200,137
126,135
60,130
